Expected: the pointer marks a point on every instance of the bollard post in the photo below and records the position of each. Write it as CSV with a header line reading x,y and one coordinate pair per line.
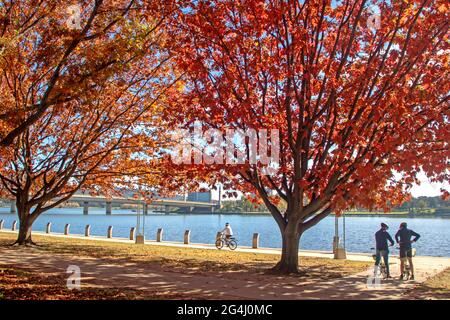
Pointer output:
x,y
1,224
255,241
48,229
132,232
66,229
159,235
87,231
14,225
109,234
187,235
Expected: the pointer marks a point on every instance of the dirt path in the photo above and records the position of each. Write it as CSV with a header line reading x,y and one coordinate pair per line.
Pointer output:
x,y
235,285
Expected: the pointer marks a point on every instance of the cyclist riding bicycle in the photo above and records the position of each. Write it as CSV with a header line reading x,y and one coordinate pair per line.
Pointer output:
x,y
382,237
227,231
403,238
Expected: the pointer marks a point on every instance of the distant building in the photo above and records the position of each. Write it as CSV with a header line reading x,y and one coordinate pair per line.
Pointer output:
x,y
200,196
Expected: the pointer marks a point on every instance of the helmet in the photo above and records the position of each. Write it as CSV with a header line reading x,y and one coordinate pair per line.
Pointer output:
x,y
403,225
227,224
384,225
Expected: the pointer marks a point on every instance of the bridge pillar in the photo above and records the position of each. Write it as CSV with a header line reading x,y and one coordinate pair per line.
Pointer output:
x,y
86,208
187,209
145,208
13,208
108,208
167,209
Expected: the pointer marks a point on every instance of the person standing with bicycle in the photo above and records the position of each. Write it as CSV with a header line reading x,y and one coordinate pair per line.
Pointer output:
x,y
382,249
403,238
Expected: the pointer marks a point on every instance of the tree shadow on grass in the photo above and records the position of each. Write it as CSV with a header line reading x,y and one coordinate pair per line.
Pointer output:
x,y
192,277
426,292
325,270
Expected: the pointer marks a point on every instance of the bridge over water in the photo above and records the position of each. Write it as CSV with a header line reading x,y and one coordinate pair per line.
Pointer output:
x,y
186,206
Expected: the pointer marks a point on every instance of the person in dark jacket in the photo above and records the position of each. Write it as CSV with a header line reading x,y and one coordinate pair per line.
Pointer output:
x,y
382,249
403,238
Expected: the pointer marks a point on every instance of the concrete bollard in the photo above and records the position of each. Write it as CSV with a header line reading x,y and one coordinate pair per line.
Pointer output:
x,y
255,241
132,233
66,229
187,235
87,231
1,224
109,233
159,235
14,225
48,229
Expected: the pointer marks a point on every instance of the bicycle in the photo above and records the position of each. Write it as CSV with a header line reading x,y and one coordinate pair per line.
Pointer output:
x,y
231,243
381,267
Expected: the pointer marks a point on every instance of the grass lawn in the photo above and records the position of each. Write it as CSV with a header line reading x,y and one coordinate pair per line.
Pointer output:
x,y
20,284
200,260
437,287
17,282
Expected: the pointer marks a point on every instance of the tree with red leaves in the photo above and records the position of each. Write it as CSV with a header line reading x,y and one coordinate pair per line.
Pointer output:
x,y
361,102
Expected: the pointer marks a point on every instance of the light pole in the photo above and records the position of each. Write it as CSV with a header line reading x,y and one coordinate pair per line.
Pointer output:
x,y
140,235
339,250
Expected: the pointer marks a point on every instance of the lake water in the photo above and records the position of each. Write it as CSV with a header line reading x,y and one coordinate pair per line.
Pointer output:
x,y
435,232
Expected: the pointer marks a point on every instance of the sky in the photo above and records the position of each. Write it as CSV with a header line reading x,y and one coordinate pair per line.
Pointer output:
x,y
428,189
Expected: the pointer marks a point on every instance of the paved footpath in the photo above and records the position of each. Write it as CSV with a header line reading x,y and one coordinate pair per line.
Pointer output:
x,y
236,285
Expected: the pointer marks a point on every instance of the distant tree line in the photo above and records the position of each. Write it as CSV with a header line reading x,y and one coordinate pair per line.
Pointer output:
x,y
242,205
421,204
415,205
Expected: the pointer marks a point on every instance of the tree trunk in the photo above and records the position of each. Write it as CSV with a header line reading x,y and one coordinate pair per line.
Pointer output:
x,y
26,222
289,257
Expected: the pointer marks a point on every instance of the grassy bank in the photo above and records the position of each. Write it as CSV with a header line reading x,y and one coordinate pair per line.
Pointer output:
x,y
437,287
20,282
185,259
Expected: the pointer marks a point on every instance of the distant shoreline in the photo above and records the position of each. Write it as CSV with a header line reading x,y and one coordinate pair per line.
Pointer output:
x,y
359,214
347,214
